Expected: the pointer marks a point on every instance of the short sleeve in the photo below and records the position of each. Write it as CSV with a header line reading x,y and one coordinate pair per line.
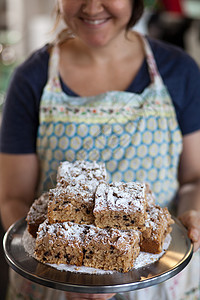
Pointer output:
x,y
189,111
181,75
20,117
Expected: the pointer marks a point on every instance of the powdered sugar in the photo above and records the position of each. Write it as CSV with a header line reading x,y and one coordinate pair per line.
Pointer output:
x,y
65,230
127,197
82,269
142,260
71,194
38,208
83,173
93,168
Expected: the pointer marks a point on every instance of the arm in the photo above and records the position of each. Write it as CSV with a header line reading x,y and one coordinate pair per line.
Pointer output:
x,y
18,181
189,192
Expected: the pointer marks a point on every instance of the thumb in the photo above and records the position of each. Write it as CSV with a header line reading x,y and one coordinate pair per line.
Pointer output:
x,y
193,234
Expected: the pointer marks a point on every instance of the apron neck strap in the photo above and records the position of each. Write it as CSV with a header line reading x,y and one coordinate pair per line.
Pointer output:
x,y
54,62
55,54
152,66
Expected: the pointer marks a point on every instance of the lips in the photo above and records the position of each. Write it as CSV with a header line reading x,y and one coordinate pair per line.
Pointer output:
x,y
94,22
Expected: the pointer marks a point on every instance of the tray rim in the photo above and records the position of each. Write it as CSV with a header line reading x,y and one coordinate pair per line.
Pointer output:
x,y
117,288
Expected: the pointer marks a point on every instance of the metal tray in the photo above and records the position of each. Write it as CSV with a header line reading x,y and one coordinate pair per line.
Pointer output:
x,y
172,262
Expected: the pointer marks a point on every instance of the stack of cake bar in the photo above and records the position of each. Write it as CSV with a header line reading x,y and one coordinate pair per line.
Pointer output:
x,y
86,221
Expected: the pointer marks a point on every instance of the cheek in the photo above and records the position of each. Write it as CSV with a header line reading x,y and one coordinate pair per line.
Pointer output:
x,y
121,8
122,4
68,7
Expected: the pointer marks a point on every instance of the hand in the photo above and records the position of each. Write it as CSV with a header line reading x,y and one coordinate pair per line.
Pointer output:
x,y
191,220
77,296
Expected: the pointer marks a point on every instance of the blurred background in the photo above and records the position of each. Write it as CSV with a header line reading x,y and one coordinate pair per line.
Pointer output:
x,y
26,25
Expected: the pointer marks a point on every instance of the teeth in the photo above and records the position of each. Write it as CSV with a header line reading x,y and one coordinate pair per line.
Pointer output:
x,y
94,22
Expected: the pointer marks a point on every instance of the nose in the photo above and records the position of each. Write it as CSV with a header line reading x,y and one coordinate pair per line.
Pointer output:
x,y
92,7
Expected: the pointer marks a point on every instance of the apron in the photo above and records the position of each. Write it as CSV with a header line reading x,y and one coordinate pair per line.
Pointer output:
x,y
138,138
136,135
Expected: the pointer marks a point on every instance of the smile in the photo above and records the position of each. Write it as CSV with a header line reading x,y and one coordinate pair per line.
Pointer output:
x,y
94,22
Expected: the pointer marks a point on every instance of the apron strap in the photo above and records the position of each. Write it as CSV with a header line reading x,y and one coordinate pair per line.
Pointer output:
x,y
53,62
53,70
152,66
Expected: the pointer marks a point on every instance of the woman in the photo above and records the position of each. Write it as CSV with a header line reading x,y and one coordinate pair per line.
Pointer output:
x,y
97,94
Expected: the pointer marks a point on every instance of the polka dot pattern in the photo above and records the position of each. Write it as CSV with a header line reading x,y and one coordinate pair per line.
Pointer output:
x,y
148,155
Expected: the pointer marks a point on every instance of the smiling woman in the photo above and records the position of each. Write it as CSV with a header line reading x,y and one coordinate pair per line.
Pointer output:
x,y
104,83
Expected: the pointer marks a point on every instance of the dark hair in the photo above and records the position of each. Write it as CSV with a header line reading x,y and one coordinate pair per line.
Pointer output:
x,y
137,11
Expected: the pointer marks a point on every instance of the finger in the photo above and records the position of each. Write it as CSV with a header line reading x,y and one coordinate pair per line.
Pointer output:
x,y
194,234
189,218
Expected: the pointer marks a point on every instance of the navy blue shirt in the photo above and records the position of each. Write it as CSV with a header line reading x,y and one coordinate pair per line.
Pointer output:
x,y
18,132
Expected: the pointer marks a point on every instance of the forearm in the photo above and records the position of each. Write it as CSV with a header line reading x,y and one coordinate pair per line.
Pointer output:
x,y
18,184
13,210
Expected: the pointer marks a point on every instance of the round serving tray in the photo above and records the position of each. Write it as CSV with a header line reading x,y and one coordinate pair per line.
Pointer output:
x,y
172,262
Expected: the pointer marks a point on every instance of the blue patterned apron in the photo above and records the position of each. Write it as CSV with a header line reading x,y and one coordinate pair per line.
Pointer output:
x,y
136,135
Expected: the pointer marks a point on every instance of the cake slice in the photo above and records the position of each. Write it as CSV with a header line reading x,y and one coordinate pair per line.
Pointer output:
x,y
60,243
120,205
72,203
37,214
85,173
87,245
157,226
111,249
